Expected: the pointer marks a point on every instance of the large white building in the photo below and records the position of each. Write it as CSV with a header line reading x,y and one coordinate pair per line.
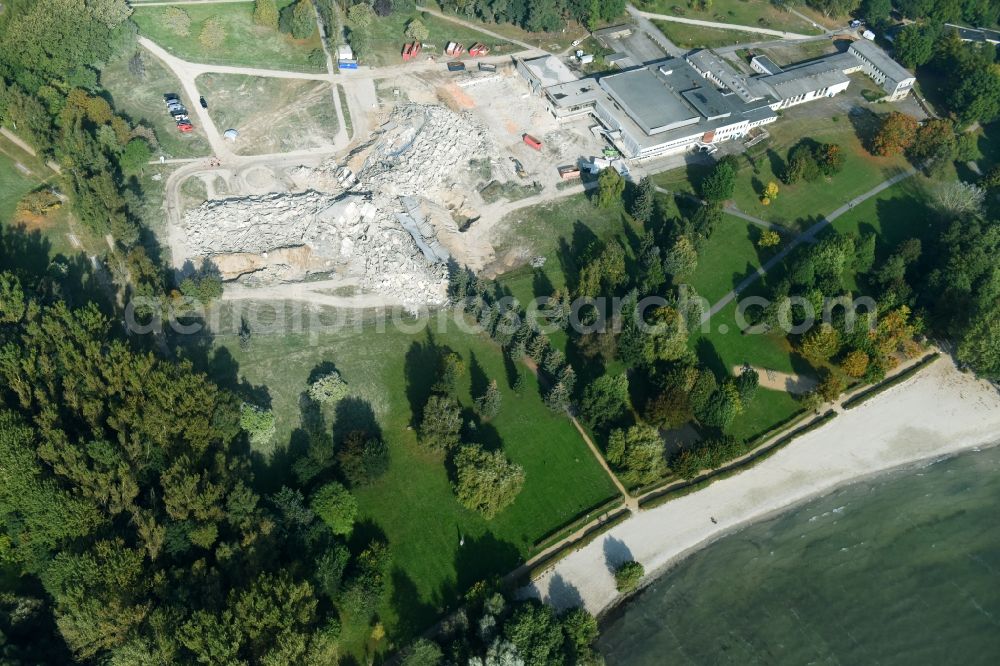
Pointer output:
x,y
681,104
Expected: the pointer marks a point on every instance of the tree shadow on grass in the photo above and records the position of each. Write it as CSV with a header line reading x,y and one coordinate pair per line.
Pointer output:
x,y
364,533
865,123
421,367
541,285
711,359
511,370
776,163
482,558
355,414
478,381
413,615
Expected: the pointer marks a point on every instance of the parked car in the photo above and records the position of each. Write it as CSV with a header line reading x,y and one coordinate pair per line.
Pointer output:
x,y
181,111
203,102
171,97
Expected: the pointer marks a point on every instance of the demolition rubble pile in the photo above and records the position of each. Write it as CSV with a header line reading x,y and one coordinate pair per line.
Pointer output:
x,y
368,227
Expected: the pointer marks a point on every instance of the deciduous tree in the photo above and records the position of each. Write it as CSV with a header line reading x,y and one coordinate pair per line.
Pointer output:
x,y
335,505
486,481
895,134
265,13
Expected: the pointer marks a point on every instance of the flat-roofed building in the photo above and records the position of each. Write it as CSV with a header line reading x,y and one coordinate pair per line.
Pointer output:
x,y
544,72
678,104
663,108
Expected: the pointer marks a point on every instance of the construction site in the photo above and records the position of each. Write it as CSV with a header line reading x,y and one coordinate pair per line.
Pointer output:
x,y
443,158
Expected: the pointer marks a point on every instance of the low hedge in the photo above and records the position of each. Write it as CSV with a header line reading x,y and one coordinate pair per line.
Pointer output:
x,y
725,472
573,546
576,523
870,393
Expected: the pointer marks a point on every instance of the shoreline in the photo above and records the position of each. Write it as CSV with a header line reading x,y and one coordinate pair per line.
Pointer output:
x,y
937,414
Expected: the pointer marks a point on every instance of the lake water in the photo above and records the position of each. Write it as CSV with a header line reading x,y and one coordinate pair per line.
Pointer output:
x,y
903,568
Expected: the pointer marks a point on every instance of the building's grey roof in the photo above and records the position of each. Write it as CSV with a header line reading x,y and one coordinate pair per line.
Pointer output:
x,y
892,69
767,64
811,76
800,83
620,60
648,99
549,70
707,61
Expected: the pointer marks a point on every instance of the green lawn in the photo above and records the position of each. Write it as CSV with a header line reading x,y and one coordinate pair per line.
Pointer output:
x,y
14,183
768,409
728,256
413,505
799,206
272,115
699,37
382,42
758,13
140,98
245,44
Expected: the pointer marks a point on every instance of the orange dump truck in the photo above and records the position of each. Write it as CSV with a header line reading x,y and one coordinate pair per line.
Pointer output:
x,y
532,141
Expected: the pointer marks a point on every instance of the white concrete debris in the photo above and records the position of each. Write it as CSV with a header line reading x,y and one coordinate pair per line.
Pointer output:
x,y
368,225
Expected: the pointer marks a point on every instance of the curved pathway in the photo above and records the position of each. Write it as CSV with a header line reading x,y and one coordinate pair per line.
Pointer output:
x,y
721,26
807,236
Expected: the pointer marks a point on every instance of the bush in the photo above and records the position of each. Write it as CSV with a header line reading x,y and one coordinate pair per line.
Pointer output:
x,y
213,34
177,21
628,575
336,507
257,423
328,389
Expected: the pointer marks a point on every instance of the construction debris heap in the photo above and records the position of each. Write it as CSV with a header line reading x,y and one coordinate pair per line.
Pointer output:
x,y
379,229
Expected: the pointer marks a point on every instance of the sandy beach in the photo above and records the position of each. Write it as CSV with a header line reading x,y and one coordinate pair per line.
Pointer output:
x,y
936,413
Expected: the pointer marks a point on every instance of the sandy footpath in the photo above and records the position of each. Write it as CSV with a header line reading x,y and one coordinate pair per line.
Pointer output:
x,y
937,412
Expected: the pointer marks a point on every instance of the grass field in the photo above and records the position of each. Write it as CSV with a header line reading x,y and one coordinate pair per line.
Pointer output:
x,y
382,42
413,505
758,13
698,37
15,183
800,205
272,115
141,99
245,43
728,256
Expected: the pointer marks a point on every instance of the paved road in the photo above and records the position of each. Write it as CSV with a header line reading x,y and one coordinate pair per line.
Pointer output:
x,y
341,138
721,26
807,237
644,24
